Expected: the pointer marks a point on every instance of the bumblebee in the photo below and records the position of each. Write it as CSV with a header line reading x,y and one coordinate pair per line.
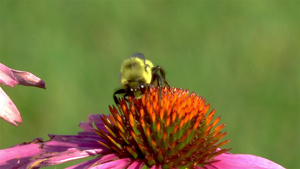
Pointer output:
x,y
137,74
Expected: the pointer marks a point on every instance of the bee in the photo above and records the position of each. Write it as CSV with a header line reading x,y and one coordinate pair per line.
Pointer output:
x,y
137,74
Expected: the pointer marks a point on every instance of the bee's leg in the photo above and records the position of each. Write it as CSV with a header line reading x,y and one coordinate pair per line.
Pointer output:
x,y
148,88
125,96
159,81
159,84
120,91
162,75
129,94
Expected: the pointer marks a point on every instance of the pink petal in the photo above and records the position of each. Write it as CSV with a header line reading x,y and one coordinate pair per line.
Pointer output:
x,y
93,118
242,161
28,79
8,110
116,164
106,158
6,76
86,164
88,126
66,148
137,164
96,162
54,158
12,77
19,155
156,167
64,142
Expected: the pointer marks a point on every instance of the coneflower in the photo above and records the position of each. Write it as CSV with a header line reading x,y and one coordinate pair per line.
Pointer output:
x,y
175,131
166,128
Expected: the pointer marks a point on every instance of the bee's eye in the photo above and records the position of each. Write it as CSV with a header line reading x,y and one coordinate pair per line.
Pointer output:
x,y
131,90
142,88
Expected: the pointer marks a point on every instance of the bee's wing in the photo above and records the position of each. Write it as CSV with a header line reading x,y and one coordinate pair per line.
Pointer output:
x,y
139,55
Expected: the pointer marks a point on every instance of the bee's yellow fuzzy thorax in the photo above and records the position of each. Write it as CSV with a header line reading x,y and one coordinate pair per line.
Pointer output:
x,y
135,70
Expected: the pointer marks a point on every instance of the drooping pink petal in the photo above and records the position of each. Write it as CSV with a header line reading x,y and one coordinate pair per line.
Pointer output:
x,y
10,77
66,148
54,158
19,155
28,79
7,77
59,149
242,161
8,110
65,142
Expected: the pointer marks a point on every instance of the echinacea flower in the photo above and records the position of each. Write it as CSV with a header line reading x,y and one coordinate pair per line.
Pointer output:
x,y
167,128
10,77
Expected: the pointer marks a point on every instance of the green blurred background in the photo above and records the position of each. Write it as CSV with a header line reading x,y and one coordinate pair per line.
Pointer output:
x,y
243,57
